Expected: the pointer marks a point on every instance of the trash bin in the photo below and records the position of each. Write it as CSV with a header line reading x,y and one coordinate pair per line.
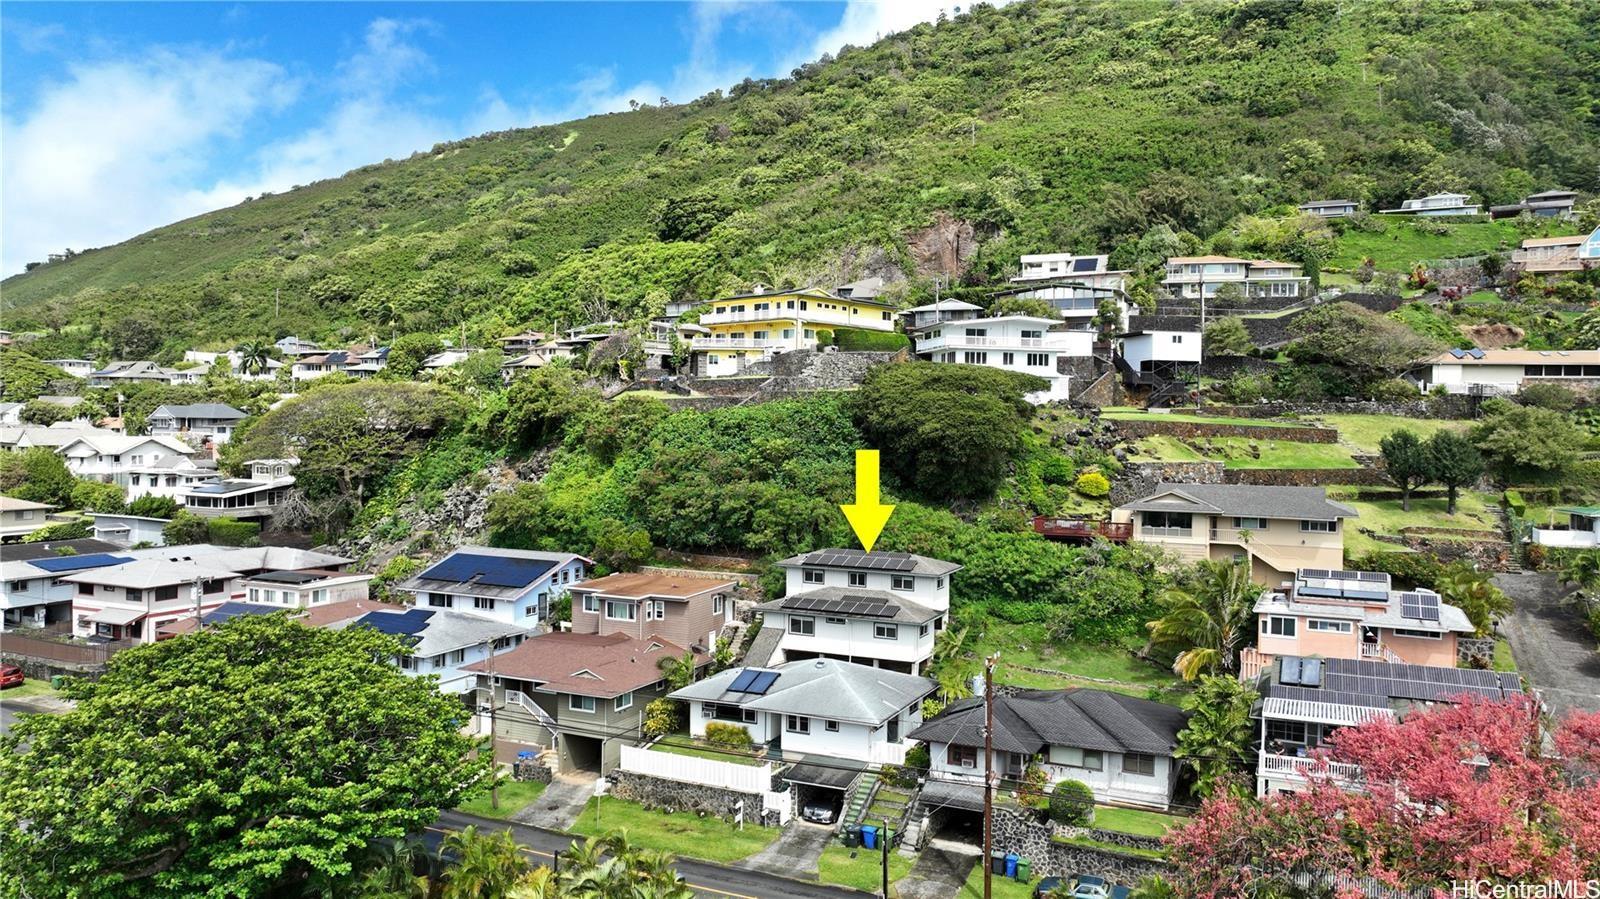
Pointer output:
x,y
1024,870
1011,866
997,862
852,837
58,681
869,836
526,755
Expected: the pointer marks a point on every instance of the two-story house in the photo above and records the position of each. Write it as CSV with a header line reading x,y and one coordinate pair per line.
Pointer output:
x,y
937,313
1276,530
583,695
1153,356
115,373
31,595
100,455
757,325
688,611
1075,286
1021,343
1340,614
1119,746
77,368
1493,372
1331,209
306,588
1195,277
443,643
881,609
253,497
1437,204
513,585
21,517
196,422
1305,701
1549,255
1545,204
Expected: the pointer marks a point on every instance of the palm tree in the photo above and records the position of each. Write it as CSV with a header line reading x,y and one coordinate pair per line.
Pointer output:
x,y
1209,623
486,865
393,874
679,671
951,665
1582,569
388,315
254,357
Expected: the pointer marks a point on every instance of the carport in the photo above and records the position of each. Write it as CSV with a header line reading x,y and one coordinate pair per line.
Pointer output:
x,y
829,782
955,810
579,753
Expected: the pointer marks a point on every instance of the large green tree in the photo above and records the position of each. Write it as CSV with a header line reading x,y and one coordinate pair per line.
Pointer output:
x,y
1371,345
256,758
1526,438
1406,463
1454,462
1208,619
38,475
1218,739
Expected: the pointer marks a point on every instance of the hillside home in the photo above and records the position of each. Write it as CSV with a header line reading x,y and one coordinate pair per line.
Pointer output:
x,y
1153,356
757,325
357,362
196,422
689,611
524,342
1547,204
1020,343
443,643
1589,251
294,347
1277,530
128,372
1119,746
1074,285
129,530
1331,209
1305,701
583,695
21,517
171,476
114,458
77,368
253,497
1339,614
1549,255
1194,277
30,595
10,414
937,313
1437,204
1494,372
446,358
881,609
516,586
1580,529
234,360
306,588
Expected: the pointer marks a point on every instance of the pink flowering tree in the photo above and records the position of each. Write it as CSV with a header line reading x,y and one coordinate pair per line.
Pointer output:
x,y
1456,792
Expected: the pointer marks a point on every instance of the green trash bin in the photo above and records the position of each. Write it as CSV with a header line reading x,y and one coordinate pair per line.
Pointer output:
x,y
58,681
1024,871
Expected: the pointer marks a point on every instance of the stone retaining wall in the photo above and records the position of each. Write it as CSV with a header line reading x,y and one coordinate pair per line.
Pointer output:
x,y
743,580
1228,366
535,771
1453,406
1139,479
1472,649
677,796
1030,838
1305,477
1132,430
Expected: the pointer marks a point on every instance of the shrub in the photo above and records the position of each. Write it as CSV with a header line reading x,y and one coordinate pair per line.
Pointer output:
x,y
661,717
152,506
1548,396
233,532
66,530
1072,803
727,735
1093,484
863,340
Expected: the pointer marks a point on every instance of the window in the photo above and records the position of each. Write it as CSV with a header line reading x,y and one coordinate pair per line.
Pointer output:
x,y
591,603
977,332
213,586
624,702
886,631
830,726
1332,627
1009,358
566,575
580,703
1177,338
1286,732
858,578
811,575
805,627
86,589
961,756
1140,763
439,600
254,594
1278,626
718,604
1319,527
940,583
834,620
617,610
922,631
458,656
797,724
1175,521
1038,360
531,611
661,608
1032,335
1420,635
483,602
1250,524
972,358
168,592
1073,757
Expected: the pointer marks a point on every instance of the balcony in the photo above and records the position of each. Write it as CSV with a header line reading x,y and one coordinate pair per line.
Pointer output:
x,y
960,341
1377,652
812,315
1081,529
1179,533
1303,768
743,343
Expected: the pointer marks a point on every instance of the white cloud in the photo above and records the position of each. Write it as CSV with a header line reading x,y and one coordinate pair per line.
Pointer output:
x,y
864,21
110,150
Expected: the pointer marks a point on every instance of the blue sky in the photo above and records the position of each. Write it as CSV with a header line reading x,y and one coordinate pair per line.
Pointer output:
x,y
116,118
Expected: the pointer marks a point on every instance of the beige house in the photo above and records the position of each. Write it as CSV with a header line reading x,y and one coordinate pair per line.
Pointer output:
x,y
21,517
689,611
1278,530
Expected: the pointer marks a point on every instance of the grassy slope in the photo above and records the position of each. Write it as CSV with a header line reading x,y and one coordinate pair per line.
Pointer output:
x,y
1364,432
515,795
1474,512
1401,243
1028,645
1235,452
681,833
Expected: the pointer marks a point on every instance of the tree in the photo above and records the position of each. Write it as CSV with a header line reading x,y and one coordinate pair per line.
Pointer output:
x,y
690,216
44,414
185,528
254,758
1406,463
1218,739
621,547
94,496
482,864
1516,438
134,337
1582,569
1227,336
1372,346
38,475
1071,803
952,665
1475,594
409,351
1454,462
1451,794
1365,271
1548,396
1209,619
24,377
678,672
541,402
153,506
1023,306
255,357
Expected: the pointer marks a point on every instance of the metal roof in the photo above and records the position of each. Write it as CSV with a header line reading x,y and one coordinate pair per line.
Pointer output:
x,y
872,561
835,775
819,688
1245,501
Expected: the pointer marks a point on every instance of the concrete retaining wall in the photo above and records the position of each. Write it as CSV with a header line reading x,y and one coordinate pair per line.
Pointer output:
x,y
1132,430
1305,477
676,796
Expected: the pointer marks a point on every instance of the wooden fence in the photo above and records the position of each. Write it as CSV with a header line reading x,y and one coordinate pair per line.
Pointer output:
x,y
17,645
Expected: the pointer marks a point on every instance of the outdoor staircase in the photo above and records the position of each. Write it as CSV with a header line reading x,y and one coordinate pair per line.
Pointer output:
x,y
855,807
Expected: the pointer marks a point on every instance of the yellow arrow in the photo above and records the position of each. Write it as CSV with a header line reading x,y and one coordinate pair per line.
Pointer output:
x,y
867,516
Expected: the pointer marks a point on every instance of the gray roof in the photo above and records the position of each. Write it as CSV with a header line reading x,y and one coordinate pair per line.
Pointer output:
x,y
1248,501
1034,720
942,305
820,688
447,631
821,602
200,410
22,552
763,647
857,560
1389,685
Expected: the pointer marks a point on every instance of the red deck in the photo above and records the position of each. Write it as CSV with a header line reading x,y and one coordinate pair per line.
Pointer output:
x,y
1082,529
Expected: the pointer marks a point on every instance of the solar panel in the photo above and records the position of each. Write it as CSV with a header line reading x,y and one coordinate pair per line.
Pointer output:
x,y
79,563
1422,605
763,682
1289,671
491,571
741,684
855,558
1311,672
1314,572
844,605
398,624
1377,577
1085,265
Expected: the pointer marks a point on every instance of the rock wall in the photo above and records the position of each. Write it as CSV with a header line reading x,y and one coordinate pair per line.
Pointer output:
x,y
1139,479
1132,430
1471,650
804,371
1030,838
535,771
1305,477
1228,366
677,796
1453,406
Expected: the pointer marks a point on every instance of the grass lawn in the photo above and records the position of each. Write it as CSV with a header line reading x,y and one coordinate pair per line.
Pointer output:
x,y
1502,655
1120,413
864,871
1236,452
1362,432
1400,243
1474,511
1113,847
1029,645
33,688
1135,821
683,744
1002,888
681,833
514,797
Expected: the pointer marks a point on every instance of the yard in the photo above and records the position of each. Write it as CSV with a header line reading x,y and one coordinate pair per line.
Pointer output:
x,y
1362,432
1401,243
1135,821
859,868
1002,888
680,833
1124,413
683,744
1245,452
1024,646
1475,511
515,795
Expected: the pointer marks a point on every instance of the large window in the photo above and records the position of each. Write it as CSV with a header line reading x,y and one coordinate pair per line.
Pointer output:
x,y
486,603
1418,635
580,703
1073,757
439,600
902,582
616,610
886,631
1140,763
1168,521
1326,626
1250,524
1278,626
1319,527
1038,360
168,592
803,626
811,575
591,603
723,712
961,756
972,358
797,724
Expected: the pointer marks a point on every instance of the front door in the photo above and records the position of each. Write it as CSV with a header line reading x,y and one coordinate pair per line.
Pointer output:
x,y
894,729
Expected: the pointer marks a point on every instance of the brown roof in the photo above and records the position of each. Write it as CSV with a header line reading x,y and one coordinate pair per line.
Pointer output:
x,y
586,664
333,613
638,585
1522,357
1571,240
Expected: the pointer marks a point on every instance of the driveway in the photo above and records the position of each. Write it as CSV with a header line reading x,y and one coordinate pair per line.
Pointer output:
x,y
940,871
794,853
559,806
1551,642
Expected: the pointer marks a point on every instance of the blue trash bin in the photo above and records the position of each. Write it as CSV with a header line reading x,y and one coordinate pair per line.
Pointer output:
x,y
1011,865
869,836
525,755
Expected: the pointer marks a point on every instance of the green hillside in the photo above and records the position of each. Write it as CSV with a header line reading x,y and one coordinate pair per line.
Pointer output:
x,y
1042,126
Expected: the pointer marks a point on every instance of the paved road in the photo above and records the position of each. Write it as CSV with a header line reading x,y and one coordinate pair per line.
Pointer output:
x,y
707,879
1551,642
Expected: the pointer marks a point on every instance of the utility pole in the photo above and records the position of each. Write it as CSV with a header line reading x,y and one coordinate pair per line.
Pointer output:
x,y
494,755
277,301
988,774
884,857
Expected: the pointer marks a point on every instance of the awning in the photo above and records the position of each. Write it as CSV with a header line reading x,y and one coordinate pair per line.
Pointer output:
x,y
117,616
951,794
833,776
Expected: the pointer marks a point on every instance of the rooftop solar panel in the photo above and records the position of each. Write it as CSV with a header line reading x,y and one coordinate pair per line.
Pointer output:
x,y
1311,672
79,563
855,558
399,624
493,571
763,682
1289,671
741,684
1085,265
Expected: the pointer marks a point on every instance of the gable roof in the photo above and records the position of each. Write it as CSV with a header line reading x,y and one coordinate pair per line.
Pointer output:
x,y
853,602
587,664
858,560
1033,720
1243,500
819,688
199,410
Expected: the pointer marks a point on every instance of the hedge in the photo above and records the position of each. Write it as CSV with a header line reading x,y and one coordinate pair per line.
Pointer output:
x,y
860,340
233,532
1072,803
727,735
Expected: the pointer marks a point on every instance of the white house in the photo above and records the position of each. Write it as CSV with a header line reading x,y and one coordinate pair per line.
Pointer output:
x,y
1164,354
442,642
1437,204
1074,285
129,530
1119,746
195,421
78,368
511,585
306,588
256,496
937,313
1580,530
1331,209
114,458
1194,277
1507,371
10,414
171,476
30,594
880,609
1020,343
125,372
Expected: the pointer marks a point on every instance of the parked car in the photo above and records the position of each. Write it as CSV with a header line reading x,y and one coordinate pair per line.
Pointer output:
x,y
11,676
1079,886
1088,886
820,811
1047,887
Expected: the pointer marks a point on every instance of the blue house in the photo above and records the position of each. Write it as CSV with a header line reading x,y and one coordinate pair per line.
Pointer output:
x,y
515,586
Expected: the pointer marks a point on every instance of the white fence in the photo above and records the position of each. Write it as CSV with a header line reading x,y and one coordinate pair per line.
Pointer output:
x,y
709,772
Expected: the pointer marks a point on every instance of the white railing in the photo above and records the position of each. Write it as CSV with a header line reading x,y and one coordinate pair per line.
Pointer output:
x,y
1380,652
1148,531
741,343
962,340
526,703
689,769
1560,537
1274,765
813,314
887,753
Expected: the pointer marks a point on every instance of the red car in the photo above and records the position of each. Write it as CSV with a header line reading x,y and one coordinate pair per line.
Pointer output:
x,y
10,676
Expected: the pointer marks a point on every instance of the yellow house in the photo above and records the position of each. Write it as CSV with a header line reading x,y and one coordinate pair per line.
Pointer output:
x,y
755,326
